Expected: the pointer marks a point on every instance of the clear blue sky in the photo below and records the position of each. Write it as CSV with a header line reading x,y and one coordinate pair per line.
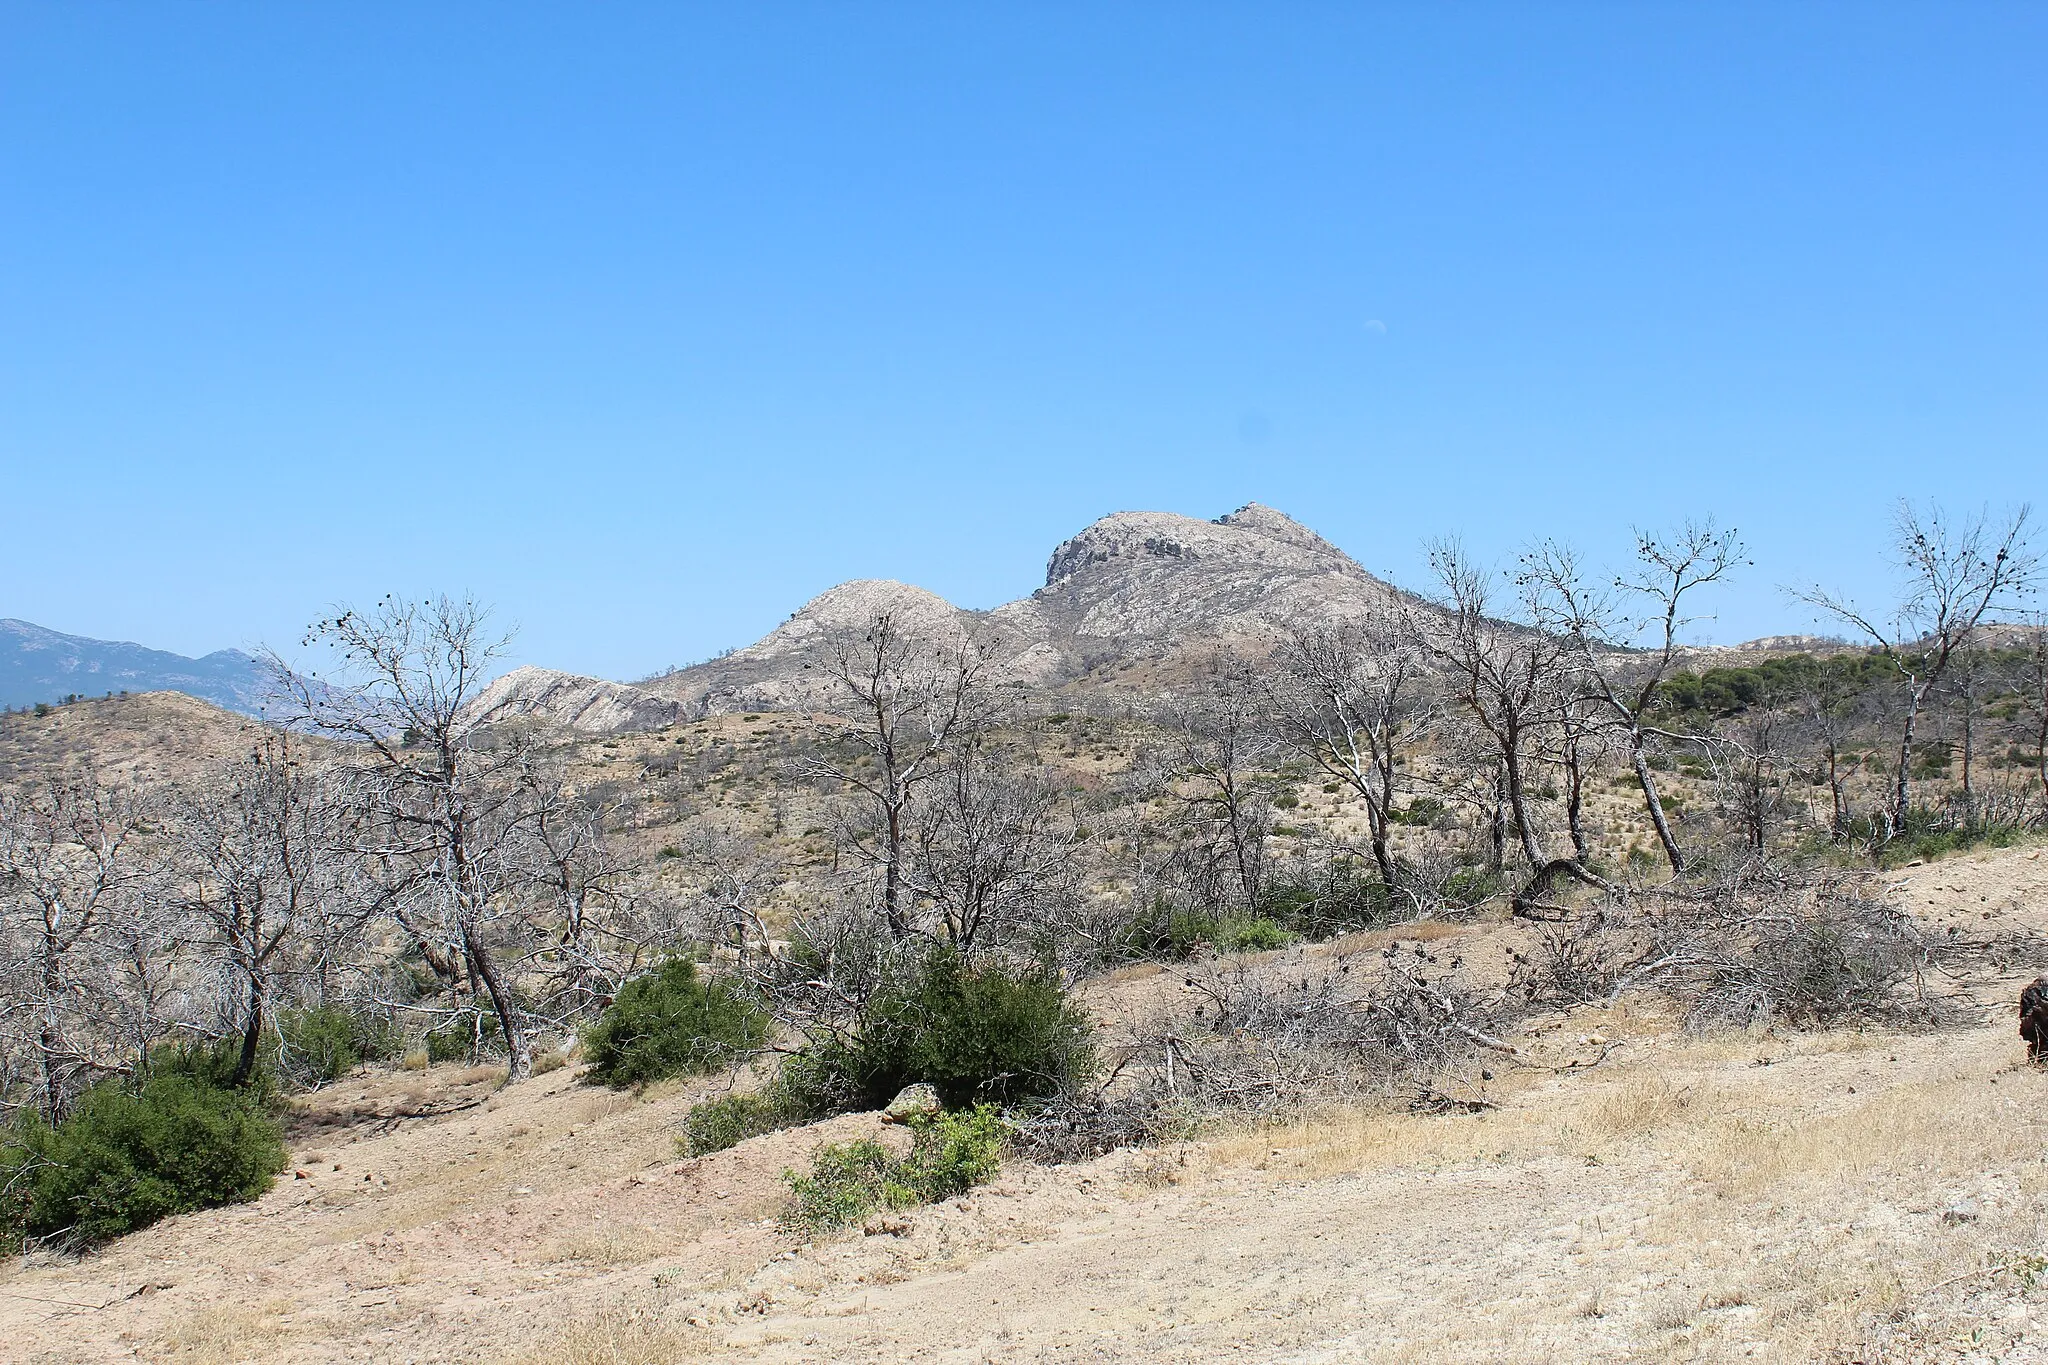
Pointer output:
x,y
648,322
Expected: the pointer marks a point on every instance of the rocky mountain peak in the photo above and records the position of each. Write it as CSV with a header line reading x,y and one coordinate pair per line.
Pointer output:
x,y
590,705
1276,525
1133,587
852,606
1251,536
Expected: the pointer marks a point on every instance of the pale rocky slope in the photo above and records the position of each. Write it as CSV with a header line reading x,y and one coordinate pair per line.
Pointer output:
x,y
1135,588
589,705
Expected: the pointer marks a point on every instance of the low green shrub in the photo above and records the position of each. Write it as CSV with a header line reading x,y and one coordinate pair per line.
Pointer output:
x,y
323,1043
1421,811
671,1023
1344,896
847,1182
975,1032
1238,935
949,1155
211,1062
714,1125
132,1152
1470,886
466,1038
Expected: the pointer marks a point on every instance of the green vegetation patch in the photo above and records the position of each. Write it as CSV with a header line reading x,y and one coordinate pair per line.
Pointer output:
x,y
975,1032
671,1022
949,1155
132,1152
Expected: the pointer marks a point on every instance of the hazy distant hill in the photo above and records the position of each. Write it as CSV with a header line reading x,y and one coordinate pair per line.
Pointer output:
x,y
39,665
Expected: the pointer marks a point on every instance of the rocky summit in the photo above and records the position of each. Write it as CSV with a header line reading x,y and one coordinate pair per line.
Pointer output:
x,y
1134,590
591,705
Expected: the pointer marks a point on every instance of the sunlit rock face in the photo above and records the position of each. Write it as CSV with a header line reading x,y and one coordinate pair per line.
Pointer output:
x,y
1132,601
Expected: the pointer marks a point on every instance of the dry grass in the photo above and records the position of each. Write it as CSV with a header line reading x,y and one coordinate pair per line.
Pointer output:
x,y
1740,1196
1809,1225
623,1334
610,1247
226,1335
1637,1111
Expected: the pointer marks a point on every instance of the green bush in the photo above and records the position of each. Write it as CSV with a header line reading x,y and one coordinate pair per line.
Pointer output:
x,y
1237,935
325,1042
131,1153
952,1153
671,1023
848,1181
211,1062
975,1032
949,1155
1469,886
1931,834
1422,811
714,1125
457,1040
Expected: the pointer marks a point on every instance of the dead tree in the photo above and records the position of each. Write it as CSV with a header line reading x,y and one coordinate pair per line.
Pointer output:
x,y
596,920
2030,686
1747,762
1505,676
74,860
1827,699
1219,742
1969,676
908,700
996,849
1352,698
1644,610
255,847
446,801
1958,577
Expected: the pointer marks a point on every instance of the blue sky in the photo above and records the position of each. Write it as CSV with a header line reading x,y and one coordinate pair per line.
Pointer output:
x,y
648,322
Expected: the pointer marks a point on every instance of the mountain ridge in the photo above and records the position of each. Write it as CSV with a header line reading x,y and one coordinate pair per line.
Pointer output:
x,y
1129,589
38,664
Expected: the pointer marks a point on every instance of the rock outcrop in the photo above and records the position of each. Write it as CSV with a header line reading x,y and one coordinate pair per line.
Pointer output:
x,y
1153,579
1135,587
590,705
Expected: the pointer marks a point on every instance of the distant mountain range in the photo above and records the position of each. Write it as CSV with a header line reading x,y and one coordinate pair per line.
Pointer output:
x,y
1130,605
40,665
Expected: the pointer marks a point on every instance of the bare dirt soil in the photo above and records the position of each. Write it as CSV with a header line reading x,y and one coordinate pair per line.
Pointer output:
x,y
1763,1196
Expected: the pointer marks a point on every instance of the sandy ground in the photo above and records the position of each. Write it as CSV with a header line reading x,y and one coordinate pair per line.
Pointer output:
x,y
1753,1196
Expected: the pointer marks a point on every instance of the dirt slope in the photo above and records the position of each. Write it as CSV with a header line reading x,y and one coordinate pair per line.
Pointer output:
x,y
1741,1197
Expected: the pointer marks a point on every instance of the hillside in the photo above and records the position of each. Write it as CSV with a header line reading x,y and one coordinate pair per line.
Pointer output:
x,y
590,705
1125,603
1739,1196
40,665
156,735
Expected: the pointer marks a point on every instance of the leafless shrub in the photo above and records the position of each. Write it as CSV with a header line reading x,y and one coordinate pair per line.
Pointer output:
x,y
1835,955
1270,1043
1575,961
1078,1127
1761,941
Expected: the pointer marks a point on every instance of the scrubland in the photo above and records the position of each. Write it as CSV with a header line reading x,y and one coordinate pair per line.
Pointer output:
x,y
1620,1189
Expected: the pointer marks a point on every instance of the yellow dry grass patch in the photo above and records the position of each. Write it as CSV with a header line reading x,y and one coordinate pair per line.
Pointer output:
x,y
621,1334
609,1246
226,1335
1805,1182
